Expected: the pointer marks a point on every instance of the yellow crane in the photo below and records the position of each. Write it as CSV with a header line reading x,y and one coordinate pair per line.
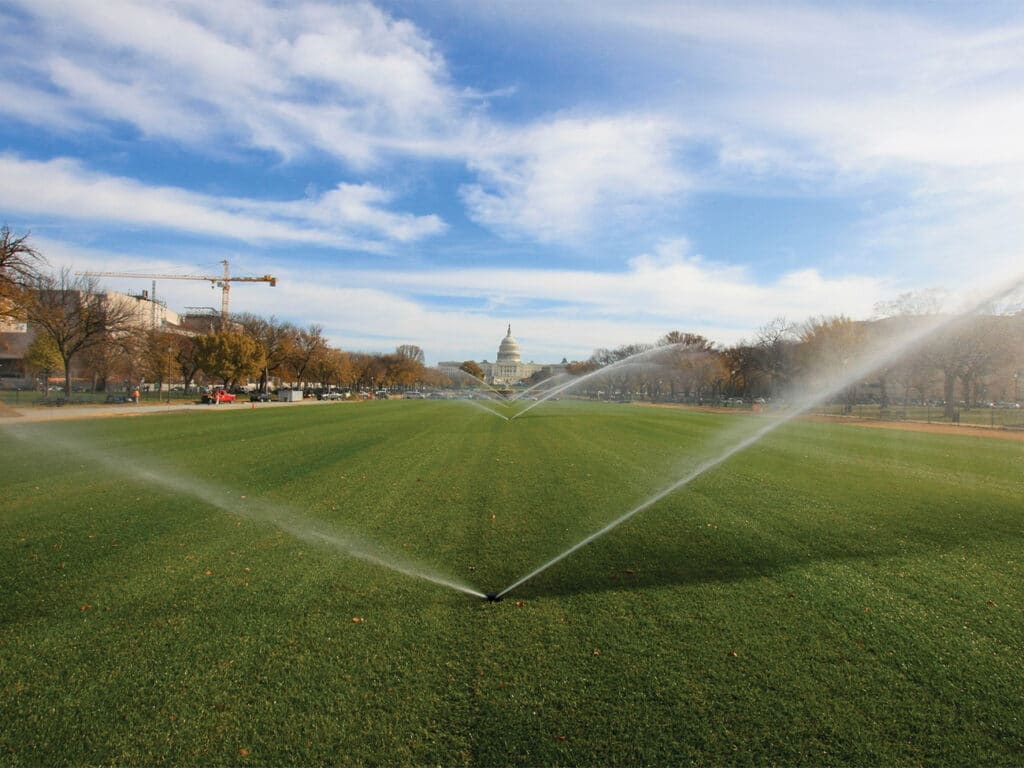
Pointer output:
x,y
219,281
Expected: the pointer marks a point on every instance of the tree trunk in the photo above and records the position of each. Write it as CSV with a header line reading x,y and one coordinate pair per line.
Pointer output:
x,y
949,391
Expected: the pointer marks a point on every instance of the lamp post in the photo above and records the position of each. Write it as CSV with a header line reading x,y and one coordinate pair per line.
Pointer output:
x,y
170,349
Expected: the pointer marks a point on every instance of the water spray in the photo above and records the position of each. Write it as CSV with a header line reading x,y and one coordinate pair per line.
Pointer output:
x,y
856,370
638,359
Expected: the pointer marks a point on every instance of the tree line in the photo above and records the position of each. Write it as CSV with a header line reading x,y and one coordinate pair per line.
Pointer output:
x,y
959,362
972,359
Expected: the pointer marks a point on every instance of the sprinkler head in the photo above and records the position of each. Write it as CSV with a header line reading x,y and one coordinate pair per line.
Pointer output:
x,y
492,597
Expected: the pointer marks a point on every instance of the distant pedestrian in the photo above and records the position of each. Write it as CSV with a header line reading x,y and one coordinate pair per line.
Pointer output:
x,y
135,395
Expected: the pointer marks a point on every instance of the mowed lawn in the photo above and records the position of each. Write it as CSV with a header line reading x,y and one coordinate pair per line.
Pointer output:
x,y
211,589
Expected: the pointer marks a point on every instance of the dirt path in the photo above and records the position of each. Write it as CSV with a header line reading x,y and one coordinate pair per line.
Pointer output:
x,y
38,413
971,430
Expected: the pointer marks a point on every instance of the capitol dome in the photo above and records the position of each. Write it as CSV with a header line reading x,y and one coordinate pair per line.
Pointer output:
x,y
508,350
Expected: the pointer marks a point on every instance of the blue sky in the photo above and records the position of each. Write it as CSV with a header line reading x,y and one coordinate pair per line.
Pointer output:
x,y
595,173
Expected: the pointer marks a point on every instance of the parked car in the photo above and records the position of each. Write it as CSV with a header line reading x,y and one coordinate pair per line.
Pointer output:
x,y
219,396
260,397
413,396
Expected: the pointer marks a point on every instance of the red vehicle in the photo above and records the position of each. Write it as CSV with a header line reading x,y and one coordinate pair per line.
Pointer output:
x,y
218,396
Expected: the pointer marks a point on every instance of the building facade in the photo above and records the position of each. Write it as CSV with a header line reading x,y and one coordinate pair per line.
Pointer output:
x,y
508,368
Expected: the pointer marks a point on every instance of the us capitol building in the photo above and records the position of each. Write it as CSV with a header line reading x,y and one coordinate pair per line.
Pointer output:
x,y
508,368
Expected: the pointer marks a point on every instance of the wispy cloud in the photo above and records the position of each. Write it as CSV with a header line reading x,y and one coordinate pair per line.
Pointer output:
x,y
349,216
345,80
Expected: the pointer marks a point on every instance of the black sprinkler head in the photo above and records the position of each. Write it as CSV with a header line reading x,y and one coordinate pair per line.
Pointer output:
x,y
492,597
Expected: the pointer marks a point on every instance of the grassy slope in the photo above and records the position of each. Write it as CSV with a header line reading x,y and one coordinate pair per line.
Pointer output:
x,y
831,595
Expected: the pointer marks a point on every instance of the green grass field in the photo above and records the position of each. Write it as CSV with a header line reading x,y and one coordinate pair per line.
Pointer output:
x,y
180,589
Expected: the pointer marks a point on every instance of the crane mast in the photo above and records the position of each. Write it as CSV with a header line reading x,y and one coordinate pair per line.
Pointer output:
x,y
219,281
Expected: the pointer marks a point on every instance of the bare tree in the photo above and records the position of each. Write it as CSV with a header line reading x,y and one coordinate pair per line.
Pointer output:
x,y
775,343
411,352
76,316
19,272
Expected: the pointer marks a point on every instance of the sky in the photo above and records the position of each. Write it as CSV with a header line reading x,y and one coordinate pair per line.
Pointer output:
x,y
592,172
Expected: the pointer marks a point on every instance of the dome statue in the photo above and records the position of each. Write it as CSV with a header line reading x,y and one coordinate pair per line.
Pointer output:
x,y
508,350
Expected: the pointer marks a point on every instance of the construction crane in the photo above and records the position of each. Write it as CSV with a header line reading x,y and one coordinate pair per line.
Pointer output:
x,y
220,281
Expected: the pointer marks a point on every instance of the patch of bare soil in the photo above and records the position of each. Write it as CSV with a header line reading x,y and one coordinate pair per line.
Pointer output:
x,y
973,430
6,412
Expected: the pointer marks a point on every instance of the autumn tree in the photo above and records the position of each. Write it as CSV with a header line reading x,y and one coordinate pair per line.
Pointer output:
x,y
829,347
473,369
278,342
43,357
228,356
158,356
306,345
20,265
76,316
331,367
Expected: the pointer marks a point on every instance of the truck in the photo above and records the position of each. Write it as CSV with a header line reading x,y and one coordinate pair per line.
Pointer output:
x,y
218,396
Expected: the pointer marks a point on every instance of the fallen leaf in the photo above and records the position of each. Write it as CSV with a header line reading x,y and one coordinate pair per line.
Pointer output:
x,y
172,718
357,620
987,602
733,654
597,651
86,607
520,603
209,572
243,752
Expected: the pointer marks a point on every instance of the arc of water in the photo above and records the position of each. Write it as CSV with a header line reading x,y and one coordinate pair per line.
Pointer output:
x,y
538,385
626,362
254,509
483,407
860,369
492,392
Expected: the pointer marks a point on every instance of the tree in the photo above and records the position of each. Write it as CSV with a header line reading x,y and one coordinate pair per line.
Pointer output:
x,y
473,369
742,370
19,272
412,352
775,343
76,316
828,346
307,344
277,340
43,357
228,356
694,365
158,356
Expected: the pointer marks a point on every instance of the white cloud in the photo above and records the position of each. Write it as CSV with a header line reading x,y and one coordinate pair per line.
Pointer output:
x,y
554,313
552,180
344,79
347,217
